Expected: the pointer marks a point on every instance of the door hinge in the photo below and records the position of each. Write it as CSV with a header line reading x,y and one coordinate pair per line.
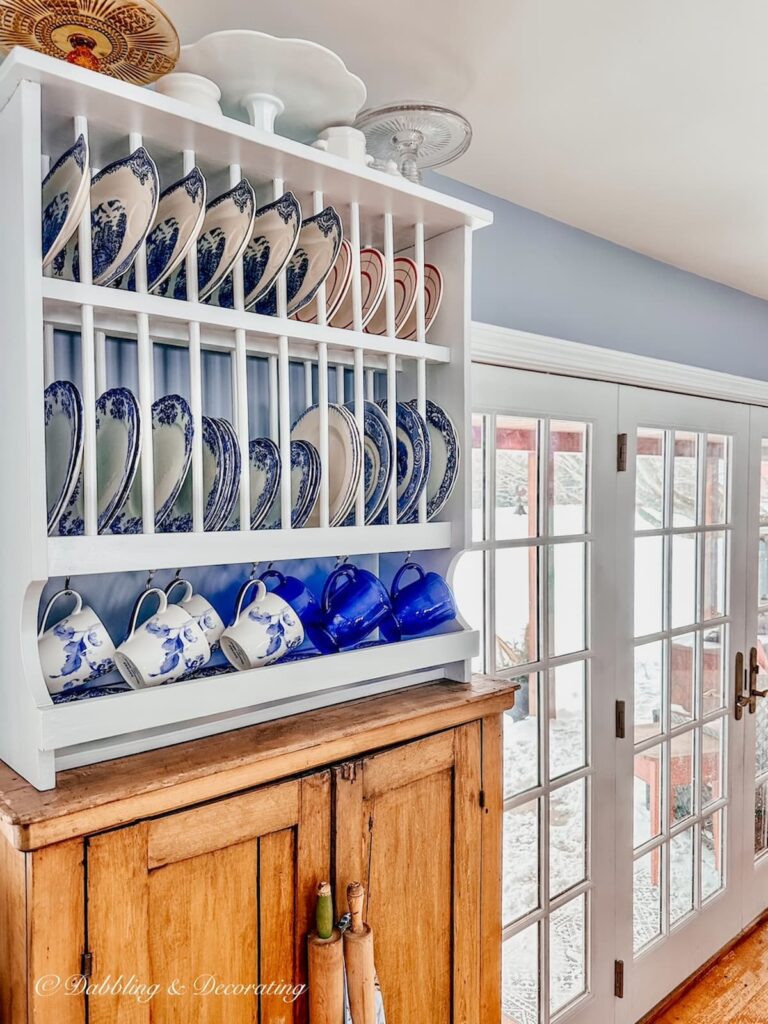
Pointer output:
x,y
618,978
86,964
621,720
621,453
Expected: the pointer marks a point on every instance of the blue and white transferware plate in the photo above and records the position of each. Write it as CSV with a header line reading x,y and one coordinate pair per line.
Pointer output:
x,y
118,444
124,199
222,240
65,193
63,410
344,458
180,518
337,287
274,237
305,487
232,464
315,254
172,449
445,459
90,692
265,478
378,461
177,224
413,460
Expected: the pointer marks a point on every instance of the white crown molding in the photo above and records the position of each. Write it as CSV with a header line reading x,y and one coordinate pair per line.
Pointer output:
x,y
503,346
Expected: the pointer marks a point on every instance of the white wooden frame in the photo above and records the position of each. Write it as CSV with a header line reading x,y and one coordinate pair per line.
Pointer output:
x,y
44,103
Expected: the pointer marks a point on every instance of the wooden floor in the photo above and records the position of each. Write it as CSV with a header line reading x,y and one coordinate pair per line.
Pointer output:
x,y
733,991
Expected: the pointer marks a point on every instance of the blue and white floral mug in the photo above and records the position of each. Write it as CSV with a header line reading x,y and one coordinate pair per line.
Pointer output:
x,y
77,650
166,646
200,609
263,632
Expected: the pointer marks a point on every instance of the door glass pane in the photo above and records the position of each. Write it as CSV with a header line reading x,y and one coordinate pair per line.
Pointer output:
x,y
681,777
568,599
682,674
712,847
681,875
567,837
712,761
714,574
649,585
517,477
567,719
649,766
520,977
716,480
567,950
648,690
713,660
649,493
647,899
567,477
521,738
516,606
469,587
684,479
479,482
683,606
521,861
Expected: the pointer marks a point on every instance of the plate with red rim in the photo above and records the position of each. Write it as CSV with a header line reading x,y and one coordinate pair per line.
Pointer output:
x,y
337,287
373,280
406,280
433,296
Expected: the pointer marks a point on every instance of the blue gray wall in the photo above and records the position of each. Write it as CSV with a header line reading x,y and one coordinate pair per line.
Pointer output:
x,y
537,274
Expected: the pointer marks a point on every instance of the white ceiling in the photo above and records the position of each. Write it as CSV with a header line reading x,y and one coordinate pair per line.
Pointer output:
x,y
643,122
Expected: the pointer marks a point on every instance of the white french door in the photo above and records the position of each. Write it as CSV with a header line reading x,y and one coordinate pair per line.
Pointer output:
x,y
538,582
682,548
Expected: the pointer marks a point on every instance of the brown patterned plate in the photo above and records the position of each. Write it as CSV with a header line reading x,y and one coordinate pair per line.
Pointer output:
x,y
128,39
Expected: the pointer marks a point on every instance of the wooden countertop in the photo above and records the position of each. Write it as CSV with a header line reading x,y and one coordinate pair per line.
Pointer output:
x,y
116,792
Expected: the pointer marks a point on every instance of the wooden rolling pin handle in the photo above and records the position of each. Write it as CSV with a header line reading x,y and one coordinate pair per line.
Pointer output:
x,y
355,899
358,955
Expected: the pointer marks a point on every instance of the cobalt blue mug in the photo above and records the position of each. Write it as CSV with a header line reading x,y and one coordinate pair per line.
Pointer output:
x,y
354,604
297,595
425,603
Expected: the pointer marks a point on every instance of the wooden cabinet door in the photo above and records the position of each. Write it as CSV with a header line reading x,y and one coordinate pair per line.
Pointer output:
x,y
409,824
205,905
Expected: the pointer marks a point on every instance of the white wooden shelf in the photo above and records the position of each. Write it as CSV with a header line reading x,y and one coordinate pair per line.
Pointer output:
x,y
44,105
76,556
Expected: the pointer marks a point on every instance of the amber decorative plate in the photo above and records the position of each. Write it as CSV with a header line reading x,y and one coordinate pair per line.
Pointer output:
x,y
133,40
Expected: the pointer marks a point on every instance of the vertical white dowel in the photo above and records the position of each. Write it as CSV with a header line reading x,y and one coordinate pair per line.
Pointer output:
x,y
389,257
421,366
240,382
49,358
274,431
278,188
392,417
308,390
370,386
360,423
317,202
285,433
195,378
354,241
101,363
322,401
146,384
88,361
340,389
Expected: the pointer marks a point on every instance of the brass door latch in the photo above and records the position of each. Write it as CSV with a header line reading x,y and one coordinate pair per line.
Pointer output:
x,y
754,673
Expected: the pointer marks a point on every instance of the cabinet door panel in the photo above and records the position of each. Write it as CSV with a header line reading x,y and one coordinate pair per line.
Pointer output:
x,y
208,905
417,809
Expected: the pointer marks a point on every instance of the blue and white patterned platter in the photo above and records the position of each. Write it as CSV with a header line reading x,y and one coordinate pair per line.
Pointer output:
x,y
223,237
90,692
413,460
124,199
63,412
180,517
232,464
378,461
275,233
316,250
177,224
172,449
265,478
65,193
445,459
118,445
344,458
305,487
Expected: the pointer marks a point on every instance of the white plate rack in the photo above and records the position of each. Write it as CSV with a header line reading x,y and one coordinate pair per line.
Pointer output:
x,y
44,105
